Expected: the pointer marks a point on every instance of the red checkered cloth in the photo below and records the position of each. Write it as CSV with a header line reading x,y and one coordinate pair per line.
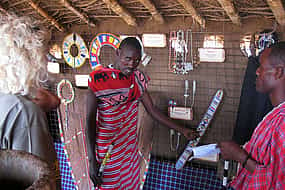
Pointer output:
x,y
267,147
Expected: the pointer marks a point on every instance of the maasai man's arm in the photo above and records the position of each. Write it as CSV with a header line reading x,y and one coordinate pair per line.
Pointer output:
x,y
157,115
91,108
232,151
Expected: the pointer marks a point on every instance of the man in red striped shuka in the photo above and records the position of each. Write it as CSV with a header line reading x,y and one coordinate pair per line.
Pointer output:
x,y
113,98
263,158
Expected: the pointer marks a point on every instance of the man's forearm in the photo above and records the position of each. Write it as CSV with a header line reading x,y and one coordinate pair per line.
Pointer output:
x,y
157,115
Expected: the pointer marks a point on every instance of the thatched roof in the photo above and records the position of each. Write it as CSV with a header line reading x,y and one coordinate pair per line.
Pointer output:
x,y
62,14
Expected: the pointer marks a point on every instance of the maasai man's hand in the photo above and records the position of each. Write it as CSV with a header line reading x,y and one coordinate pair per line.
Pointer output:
x,y
232,151
190,134
46,99
94,173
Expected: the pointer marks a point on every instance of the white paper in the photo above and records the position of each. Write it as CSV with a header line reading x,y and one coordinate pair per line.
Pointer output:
x,y
205,151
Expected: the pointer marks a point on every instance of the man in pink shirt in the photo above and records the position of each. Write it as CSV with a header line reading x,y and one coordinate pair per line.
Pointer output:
x,y
262,160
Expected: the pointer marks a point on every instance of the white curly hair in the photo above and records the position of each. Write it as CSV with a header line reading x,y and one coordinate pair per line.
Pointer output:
x,y
22,57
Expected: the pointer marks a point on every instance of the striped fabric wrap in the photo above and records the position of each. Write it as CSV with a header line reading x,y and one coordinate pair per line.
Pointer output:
x,y
117,124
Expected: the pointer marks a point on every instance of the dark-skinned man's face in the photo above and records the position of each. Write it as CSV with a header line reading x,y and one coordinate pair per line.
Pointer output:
x,y
265,73
129,60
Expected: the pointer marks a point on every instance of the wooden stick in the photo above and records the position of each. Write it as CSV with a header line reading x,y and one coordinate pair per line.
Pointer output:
x,y
81,15
45,15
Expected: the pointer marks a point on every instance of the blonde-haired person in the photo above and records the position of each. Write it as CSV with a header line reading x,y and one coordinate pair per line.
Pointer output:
x,y
23,123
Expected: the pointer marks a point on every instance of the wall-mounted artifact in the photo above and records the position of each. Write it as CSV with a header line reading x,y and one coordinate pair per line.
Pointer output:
x,y
102,39
74,50
180,61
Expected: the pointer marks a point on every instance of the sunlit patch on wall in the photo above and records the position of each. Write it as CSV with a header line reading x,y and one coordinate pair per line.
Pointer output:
x,y
213,49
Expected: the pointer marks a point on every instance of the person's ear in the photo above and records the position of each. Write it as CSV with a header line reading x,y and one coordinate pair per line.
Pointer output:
x,y
118,52
279,73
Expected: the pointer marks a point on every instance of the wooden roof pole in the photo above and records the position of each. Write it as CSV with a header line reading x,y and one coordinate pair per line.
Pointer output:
x,y
121,11
45,14
80,14
228,6
278,10
190,9
154,12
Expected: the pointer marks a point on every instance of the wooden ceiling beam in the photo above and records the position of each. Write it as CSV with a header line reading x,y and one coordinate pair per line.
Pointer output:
x,y
76,11
45,15
190,9
121,11
154,12
228,6
278,10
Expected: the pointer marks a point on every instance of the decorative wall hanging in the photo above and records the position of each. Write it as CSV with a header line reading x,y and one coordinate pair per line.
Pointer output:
x,y
70,97
66,94
265,40
255,43
72,133
67,97
74,147
102,39
180,61
74,50
61,133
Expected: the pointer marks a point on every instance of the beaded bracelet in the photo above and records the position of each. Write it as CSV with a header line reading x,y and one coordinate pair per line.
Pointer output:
x,y
245,161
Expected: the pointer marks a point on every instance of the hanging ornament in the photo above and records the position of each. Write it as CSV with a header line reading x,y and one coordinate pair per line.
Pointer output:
x,y
102,39
74,50
70,94
178,52
65,99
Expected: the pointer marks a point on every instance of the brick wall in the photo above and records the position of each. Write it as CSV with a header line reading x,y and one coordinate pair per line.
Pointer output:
x,y
209,77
